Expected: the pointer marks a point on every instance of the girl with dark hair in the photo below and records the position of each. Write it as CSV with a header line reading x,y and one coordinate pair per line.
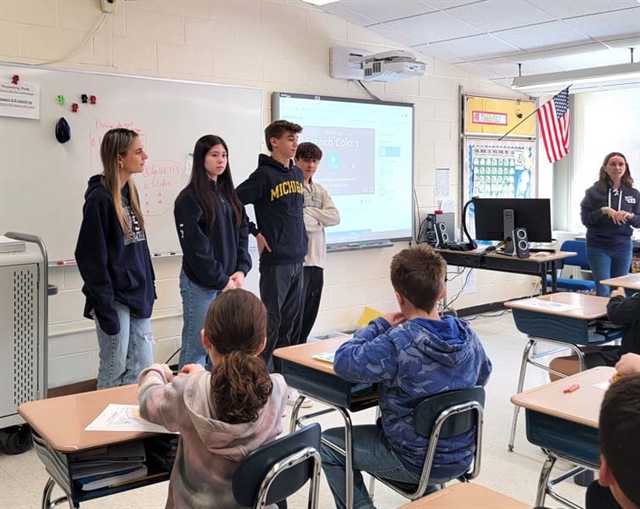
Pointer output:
x,y
609,209
224,415
213,231
114,262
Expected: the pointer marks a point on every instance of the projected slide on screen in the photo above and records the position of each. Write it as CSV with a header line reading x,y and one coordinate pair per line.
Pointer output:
x,y
367,164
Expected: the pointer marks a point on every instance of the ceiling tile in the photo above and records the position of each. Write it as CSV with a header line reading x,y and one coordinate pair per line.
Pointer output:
x,y
394,35
386,11
594,59
609,24
435,26
500,15
631,42
448,4
476,46
557,52
574,8
476,70
545,35
529,67
348,14
432,51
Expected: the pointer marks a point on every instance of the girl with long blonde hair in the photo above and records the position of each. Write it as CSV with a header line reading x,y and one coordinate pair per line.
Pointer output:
x,y
114,261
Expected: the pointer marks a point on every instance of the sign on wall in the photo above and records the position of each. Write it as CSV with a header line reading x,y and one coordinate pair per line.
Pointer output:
x,y
491,116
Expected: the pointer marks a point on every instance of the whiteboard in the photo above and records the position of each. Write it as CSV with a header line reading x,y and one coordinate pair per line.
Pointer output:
x,y
42,182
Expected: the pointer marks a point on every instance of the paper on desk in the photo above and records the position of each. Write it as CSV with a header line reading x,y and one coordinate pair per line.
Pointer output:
x,y
547,304
123,418
602,385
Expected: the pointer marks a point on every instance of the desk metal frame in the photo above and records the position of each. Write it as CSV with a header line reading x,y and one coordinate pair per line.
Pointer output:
x,y
531,266
565,426
562,332
334,392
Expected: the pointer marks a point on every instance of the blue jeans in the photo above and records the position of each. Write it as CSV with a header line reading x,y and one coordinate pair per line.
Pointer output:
x,y
195,303
607,264
372,452
124,355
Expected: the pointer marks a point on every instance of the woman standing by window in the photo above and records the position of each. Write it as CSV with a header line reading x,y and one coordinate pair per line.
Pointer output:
x,y
213,231
609,209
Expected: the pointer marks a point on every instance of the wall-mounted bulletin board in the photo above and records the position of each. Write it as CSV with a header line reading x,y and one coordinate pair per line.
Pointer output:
x,y
495,117
495,165
499,169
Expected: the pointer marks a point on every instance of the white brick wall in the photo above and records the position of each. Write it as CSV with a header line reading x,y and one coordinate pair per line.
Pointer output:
x,y
277,45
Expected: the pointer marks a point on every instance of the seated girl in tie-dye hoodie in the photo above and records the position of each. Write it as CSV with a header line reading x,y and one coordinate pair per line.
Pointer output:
x,y
221,416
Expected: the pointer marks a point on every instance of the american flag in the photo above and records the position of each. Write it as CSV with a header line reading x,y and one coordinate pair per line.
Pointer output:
x,y
553,118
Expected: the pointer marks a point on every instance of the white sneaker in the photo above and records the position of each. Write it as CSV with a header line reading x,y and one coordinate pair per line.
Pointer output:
x,y
292,397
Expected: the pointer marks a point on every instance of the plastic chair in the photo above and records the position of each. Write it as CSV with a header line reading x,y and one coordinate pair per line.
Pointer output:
x,y
441,416
279,469
580,260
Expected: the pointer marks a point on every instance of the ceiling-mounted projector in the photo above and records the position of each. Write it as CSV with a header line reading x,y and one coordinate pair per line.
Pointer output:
x,y
353,64
392,66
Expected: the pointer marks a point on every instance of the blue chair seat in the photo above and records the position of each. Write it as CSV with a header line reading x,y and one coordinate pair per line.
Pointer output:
x,y
574,285
580,260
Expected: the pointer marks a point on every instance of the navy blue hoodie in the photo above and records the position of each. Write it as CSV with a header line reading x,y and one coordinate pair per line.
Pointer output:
x,y
277,195
210,256
113,266
602,232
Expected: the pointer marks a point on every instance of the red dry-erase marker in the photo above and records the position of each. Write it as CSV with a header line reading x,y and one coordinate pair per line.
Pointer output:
x,y
572,388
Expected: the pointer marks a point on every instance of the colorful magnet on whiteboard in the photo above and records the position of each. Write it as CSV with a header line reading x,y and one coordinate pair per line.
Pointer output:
x,y
74,107
61,100
84,98
63,130
15,79
93,99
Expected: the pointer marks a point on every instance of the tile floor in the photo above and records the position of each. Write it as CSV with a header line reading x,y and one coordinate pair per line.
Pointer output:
x,y
22,477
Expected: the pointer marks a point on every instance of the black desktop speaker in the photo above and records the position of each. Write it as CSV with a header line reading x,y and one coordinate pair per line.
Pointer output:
x,y
442,236
509,222
521,242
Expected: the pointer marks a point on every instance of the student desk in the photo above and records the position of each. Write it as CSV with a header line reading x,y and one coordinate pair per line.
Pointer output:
x,y
317,380
630,282
565,425
466,495
58,429
569,328
538,264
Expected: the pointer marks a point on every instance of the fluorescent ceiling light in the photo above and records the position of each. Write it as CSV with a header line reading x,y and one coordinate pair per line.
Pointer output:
x,y
611,75
322,2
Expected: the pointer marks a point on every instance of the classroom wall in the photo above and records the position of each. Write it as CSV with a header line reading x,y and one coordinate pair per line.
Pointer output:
x,y
275,45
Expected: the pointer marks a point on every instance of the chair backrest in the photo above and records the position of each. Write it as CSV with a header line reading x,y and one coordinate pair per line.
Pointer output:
x,y
430,409
280,468
576,246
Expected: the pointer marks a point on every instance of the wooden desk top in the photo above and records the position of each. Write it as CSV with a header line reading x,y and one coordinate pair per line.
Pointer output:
x,y
303,354
581,406
631,281
61,421
590,307
541,256
467,496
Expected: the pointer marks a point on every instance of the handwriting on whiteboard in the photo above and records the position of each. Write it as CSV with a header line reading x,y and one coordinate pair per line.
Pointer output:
x,y
158,185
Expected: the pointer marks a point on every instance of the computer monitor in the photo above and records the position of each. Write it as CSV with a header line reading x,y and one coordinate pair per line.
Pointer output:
x,y
534,214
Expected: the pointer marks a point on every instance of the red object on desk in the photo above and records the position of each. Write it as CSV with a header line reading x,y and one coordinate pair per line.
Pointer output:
x,y
572,388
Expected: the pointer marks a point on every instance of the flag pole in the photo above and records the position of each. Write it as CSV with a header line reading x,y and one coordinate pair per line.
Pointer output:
x,y
530,115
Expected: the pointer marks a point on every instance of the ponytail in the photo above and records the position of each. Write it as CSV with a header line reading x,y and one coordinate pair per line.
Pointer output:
x,y
241,386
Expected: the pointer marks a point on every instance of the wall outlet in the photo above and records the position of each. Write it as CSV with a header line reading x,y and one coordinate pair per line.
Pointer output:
x,y
109,6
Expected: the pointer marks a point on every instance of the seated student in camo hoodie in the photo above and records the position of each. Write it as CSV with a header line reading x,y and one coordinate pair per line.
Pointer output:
x,y
222,416
412,354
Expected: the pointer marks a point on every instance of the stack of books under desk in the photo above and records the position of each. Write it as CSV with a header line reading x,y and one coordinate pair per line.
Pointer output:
x,y
93,473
